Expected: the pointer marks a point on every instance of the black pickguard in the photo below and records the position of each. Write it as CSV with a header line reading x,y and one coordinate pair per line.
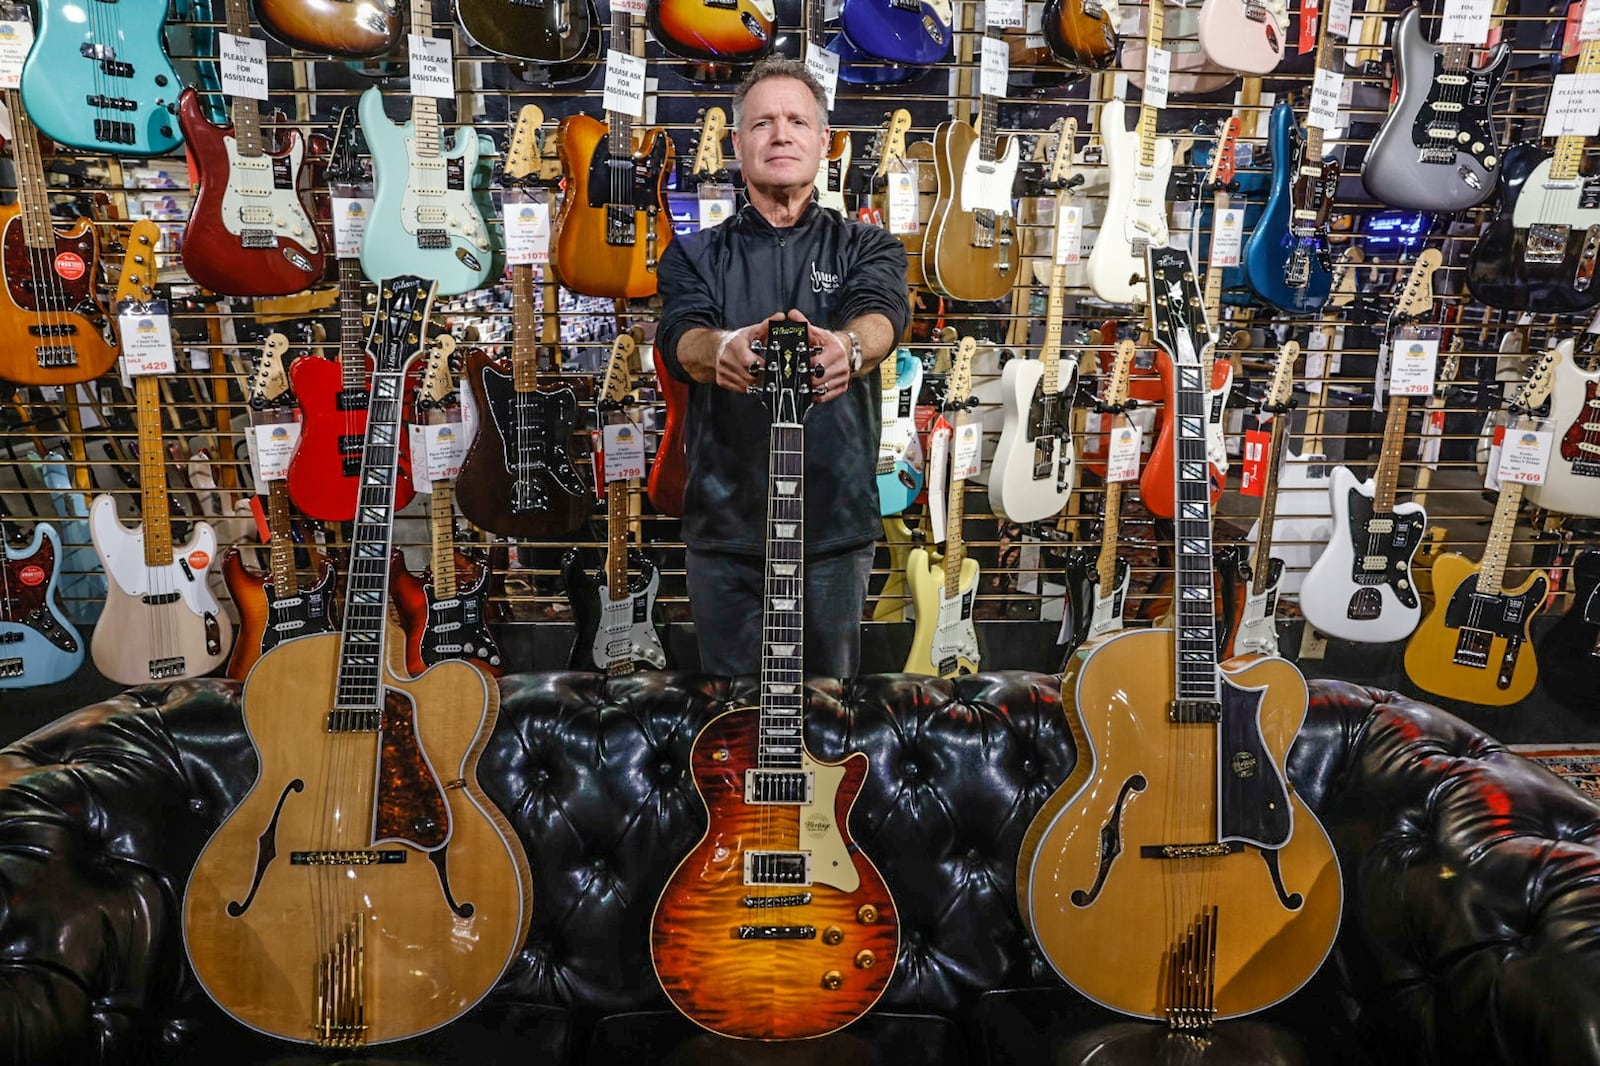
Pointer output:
x,y
1474,99
458,628
1503,616
1570,651
1397,547
1254,802
308,614
535,428
643,187
1081,578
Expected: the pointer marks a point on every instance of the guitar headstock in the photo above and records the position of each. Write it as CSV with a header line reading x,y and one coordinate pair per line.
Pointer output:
x,y
618,380
892,139
344,158
1280,390
1121,371
269,383
398,324
708,149
137,281
523,164
1221,170
1535,387
438,387
1416,296
784,378
1061,159
958,384
1177,306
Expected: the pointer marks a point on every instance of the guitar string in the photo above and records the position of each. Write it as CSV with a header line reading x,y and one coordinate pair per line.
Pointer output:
x,y
51,310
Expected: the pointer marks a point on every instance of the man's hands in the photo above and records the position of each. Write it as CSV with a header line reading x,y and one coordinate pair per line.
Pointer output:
x,y
735,357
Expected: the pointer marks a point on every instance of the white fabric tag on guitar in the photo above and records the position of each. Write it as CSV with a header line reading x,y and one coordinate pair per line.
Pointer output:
x,y
1588,29
824,66
1525,455
716,204
938,463
624,451
902,202
1413,366
527,221
968,449
1003,15
1228,238
1069,235
1326,90
1339,18
274,447
432,70
146,334
350,214
15,40
624,83
1574,109
1123,450
436,450
243,66
996,67
1157,73
1465,21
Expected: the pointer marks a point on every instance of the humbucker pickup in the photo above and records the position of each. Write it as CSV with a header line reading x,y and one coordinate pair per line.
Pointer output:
x,y
778,786
777,868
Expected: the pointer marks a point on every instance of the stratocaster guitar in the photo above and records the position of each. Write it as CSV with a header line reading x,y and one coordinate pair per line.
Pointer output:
x,y
912,33
945,642
1473,645
53,328
738,32
1179,876
251,231
1244,35
613,223
426,213
539,31
1572,480
776,926
1032,474
619,632
1287,261
1361,587
1255,630
1570,650
365,868
1082,33
273,606
161,622
345,29
1436,149
39,645
900,465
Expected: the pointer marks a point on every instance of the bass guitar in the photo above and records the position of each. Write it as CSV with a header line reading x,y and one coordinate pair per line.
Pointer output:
x,y
902,33
538,31
1361,587
39,645
161,622
945,641
900,463
1255,630
1163,880
365,868
273,606
1082,33
1032,474
1473,644
1572,480
776,887
1287,261
618,632
613,224
1243,35
713,30
1571,648
1436,149
345,29
53,328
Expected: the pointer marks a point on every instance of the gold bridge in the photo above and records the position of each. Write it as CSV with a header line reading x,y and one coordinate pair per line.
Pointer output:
x,y
341,989
1192,978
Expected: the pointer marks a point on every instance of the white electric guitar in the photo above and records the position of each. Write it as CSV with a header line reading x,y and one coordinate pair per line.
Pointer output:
x,y
1572,480
1257,632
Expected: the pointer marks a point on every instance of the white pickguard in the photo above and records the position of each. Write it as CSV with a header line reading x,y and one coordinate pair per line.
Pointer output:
x,y
1544,201
429,203
620,638
122,553
830,197
252,202
1106,617
1216,417
1325,595
1013,491
1565,491
954,636
988,185
1258,633
1135,212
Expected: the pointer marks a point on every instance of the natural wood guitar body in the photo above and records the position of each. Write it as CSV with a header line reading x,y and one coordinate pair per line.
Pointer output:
x,y
952,263
583,259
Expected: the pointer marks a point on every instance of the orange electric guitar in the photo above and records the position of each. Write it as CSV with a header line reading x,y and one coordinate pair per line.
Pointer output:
x,y
776,926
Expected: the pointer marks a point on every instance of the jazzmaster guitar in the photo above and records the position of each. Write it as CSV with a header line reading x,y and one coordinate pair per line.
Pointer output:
x,y
900,480
1436,149
1179,876
618,631
1361,587
1473,645
1572,480
1243,35
365,871
776,926
945,642
38,643
539,31
737,32
1287,261
161,622
1255,630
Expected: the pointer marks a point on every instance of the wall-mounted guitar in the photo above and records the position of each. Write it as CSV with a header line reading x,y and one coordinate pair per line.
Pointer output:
x,y
425,211
945,642
1570,650
539,31
1436,149
1032,474
1361,587
1473,645
900,480
345,29
613,224
1185,880
53,329
38,643
912,33
161,622
833,169
890,148
365,868
1572,480
776,926
250,232
1082,33
727,31
1243,35
273,606
620,633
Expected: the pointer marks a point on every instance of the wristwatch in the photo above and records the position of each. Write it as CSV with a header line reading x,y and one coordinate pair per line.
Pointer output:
x,y
855,350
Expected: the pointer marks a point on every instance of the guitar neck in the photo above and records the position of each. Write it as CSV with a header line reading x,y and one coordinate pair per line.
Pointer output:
x,y
1213,291
1106,563
1195,638
352,326
619,124
242,110
1261,561
1387,478
425,141
955,547
1326,61
152,472
1496,550
284,579
783,617
989,128
1050,351
1568,156
441,519
618,514
524,333
32,192
1147,111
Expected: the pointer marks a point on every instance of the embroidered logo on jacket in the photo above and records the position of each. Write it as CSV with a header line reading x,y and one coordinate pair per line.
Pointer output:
x,y
822,281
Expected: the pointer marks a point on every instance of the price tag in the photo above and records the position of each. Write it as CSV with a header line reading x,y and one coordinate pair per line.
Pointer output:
x,y
968,449
1432,431
716,204
996,67
350,214
1003,15
938,463
1157,72
1326,90
437,449
824,66
1524,455
1034,29
432,72
902,202
1413,363
1123,449
527,222
624,83
624,451
631,7
1228,238
1588,28
274,447
1253,470
1339,12
1465,21
244,66
1309,12
15,40
1069,236
146,340
1574,109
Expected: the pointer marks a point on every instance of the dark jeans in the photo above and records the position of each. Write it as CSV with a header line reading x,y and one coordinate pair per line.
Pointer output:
x,y
725,598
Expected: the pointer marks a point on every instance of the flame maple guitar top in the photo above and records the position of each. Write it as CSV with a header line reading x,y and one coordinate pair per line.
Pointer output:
x,y
1111,941
429,954
772,989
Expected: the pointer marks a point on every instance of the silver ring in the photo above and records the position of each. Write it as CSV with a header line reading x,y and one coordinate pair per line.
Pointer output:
x,y
820,388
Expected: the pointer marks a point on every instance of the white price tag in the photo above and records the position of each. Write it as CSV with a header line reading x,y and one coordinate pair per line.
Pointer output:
x,y
1326,91
527,232
1003,15
968,449
624,83
902,202
1465,21
436,451
824,66
1339,18
1034,29
15,40
1122,451
350,214
1524,455
1069,236
274,448
716,203
244,66
432,71
1413,363
1157,72
996,67
1574,109
146,342
630,7
938,481
1227,237
624,448
1588,29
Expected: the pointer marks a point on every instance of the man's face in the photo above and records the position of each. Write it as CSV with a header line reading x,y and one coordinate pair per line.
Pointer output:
x,y
781,139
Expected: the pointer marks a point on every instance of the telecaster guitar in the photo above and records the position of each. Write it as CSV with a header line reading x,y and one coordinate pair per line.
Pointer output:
x,y
38,643
1572,480
1244,35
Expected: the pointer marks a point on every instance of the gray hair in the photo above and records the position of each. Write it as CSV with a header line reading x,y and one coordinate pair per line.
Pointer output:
x,y
780,67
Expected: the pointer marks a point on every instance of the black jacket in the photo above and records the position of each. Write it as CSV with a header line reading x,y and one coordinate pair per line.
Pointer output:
x,y
830,269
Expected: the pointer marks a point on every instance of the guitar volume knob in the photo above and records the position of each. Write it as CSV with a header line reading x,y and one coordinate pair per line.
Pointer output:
x,y
865,960
832,935
833,980
867,914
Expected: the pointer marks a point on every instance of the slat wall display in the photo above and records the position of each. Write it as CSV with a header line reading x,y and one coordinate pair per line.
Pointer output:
x,y
1369,251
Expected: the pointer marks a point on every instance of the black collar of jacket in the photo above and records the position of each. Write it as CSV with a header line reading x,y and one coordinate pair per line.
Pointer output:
x,y
749,216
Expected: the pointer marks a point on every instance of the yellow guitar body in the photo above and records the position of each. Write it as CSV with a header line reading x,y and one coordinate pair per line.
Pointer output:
x,y
1439,656
945,642
891,605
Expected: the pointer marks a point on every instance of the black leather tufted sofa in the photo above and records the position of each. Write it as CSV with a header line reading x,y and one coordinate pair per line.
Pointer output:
x,y
1471,933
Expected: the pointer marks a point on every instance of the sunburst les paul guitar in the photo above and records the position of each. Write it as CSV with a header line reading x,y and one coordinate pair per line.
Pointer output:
x,y
777,925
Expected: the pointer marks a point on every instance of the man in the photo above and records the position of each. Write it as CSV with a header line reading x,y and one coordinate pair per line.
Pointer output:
x,y
781,256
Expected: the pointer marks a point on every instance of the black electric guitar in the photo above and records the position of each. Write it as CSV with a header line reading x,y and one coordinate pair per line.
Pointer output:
x,y
1571,650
